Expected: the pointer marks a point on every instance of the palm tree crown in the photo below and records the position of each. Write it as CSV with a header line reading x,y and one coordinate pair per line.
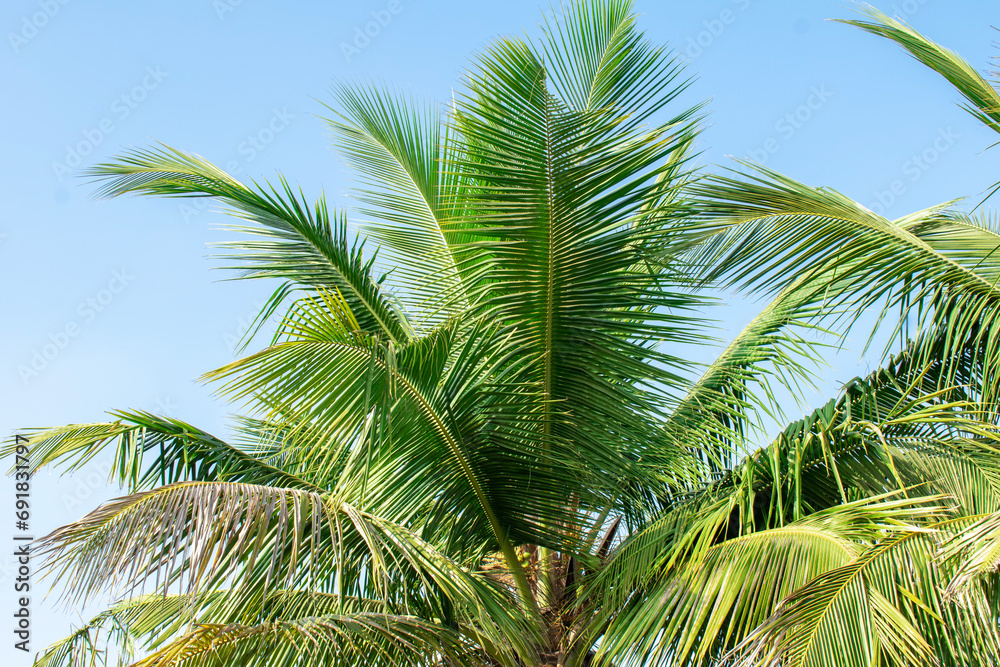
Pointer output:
x,y
482,444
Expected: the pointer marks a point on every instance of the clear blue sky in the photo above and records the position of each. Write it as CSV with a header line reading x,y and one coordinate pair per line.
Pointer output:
x,y
122,292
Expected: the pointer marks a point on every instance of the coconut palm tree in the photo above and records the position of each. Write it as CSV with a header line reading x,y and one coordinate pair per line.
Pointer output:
x,y
484,444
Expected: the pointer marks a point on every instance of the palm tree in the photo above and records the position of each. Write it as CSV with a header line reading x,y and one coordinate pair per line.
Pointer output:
x,y
483,445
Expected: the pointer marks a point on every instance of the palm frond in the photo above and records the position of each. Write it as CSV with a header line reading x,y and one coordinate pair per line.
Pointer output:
x,y
201,538
847,616
290,240
410,189
983,98
183,453
775,231
598,59
701,603
335,640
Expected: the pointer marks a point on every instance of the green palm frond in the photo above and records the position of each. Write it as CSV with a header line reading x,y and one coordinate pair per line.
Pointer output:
x,y
418,410
183,453
565,238
722,407
291,240
983,97
889,433
598,59
343,639
200,538
180,629
697,606
975,549
864,613
774,230
209,526
127,627
410,189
